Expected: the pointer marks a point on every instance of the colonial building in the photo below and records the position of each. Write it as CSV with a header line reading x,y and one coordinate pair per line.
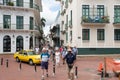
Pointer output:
x,y
19,20
55,32
93,26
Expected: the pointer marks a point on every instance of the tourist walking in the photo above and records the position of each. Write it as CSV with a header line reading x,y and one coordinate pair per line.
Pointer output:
x,y
70,59
37,50
44,62
57,57
75,51
64,52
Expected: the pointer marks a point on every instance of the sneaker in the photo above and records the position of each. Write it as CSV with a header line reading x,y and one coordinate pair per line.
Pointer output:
x,y
42,77
46,75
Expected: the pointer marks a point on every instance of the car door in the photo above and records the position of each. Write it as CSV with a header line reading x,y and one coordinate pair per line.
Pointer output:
x,y
25,56
20,56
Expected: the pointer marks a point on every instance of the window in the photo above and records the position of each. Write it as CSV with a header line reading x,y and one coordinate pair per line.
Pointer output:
x,y
19,22
5,2
70,36
71,17
85,34
85,10
100,10
117,34
31,3
19,3
62,23
6,21
19,43
67,20
117,13
66,37
31,23
6,44
100,34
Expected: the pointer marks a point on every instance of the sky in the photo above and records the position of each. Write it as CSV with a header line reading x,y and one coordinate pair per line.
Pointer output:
x,y
50,11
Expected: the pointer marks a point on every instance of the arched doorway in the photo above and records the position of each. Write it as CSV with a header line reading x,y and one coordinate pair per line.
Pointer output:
x,y
31,43
7,44
19,43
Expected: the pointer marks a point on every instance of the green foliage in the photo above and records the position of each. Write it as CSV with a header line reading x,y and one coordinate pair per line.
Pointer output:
x,y
10,3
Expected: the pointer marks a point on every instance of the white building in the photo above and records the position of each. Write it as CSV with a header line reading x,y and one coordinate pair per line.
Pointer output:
x,y
19,20
91,25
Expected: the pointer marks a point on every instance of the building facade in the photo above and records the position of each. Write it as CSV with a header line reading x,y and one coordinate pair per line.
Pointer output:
x,y
92,26
19,20
55,32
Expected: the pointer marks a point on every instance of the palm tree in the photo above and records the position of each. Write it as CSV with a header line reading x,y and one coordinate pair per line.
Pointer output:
x,y
43,22
41,28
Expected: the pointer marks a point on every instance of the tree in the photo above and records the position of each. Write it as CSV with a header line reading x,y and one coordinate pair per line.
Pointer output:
x,y
41,28
43,22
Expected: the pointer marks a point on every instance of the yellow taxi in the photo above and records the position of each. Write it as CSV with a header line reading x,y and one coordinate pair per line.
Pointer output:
x,y
27,56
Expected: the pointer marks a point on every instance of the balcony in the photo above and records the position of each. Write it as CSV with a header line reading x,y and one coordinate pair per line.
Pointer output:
x,y
25,6
66,26
95,20
66,4
63,31
95,16
70,1
58,0
116,21
13,27
70,24
63,12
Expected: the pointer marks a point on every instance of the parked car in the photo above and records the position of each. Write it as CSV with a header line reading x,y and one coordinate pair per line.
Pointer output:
x,y
27,56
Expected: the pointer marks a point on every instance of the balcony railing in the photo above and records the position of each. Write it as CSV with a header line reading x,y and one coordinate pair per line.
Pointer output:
x,y
25,5
66,26
66,4
95,16
93,20
14,27
70,23
63,12
117,20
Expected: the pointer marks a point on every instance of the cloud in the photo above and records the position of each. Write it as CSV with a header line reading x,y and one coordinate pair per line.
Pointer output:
x,y
50,11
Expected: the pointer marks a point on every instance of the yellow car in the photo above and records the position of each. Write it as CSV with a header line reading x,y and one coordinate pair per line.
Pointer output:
x,y
27,56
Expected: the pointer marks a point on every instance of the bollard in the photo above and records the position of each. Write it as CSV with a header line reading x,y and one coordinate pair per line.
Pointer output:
x,y
20,66
76,72
35,68
1,61
102,74
54,68
7,63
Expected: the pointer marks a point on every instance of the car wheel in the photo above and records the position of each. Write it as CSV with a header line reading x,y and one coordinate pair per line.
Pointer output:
x,y
17,59
31,62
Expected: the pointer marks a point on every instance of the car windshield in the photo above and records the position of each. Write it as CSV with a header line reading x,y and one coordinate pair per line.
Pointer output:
x,y
31,53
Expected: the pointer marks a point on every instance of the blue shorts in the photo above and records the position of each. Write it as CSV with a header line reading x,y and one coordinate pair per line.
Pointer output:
x,y
44,65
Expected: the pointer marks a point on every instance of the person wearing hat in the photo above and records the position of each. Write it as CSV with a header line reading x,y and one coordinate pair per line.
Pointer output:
x,y
70,59
44,62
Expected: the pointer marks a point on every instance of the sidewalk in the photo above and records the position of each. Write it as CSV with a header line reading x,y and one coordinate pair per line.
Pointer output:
x,y
87,70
